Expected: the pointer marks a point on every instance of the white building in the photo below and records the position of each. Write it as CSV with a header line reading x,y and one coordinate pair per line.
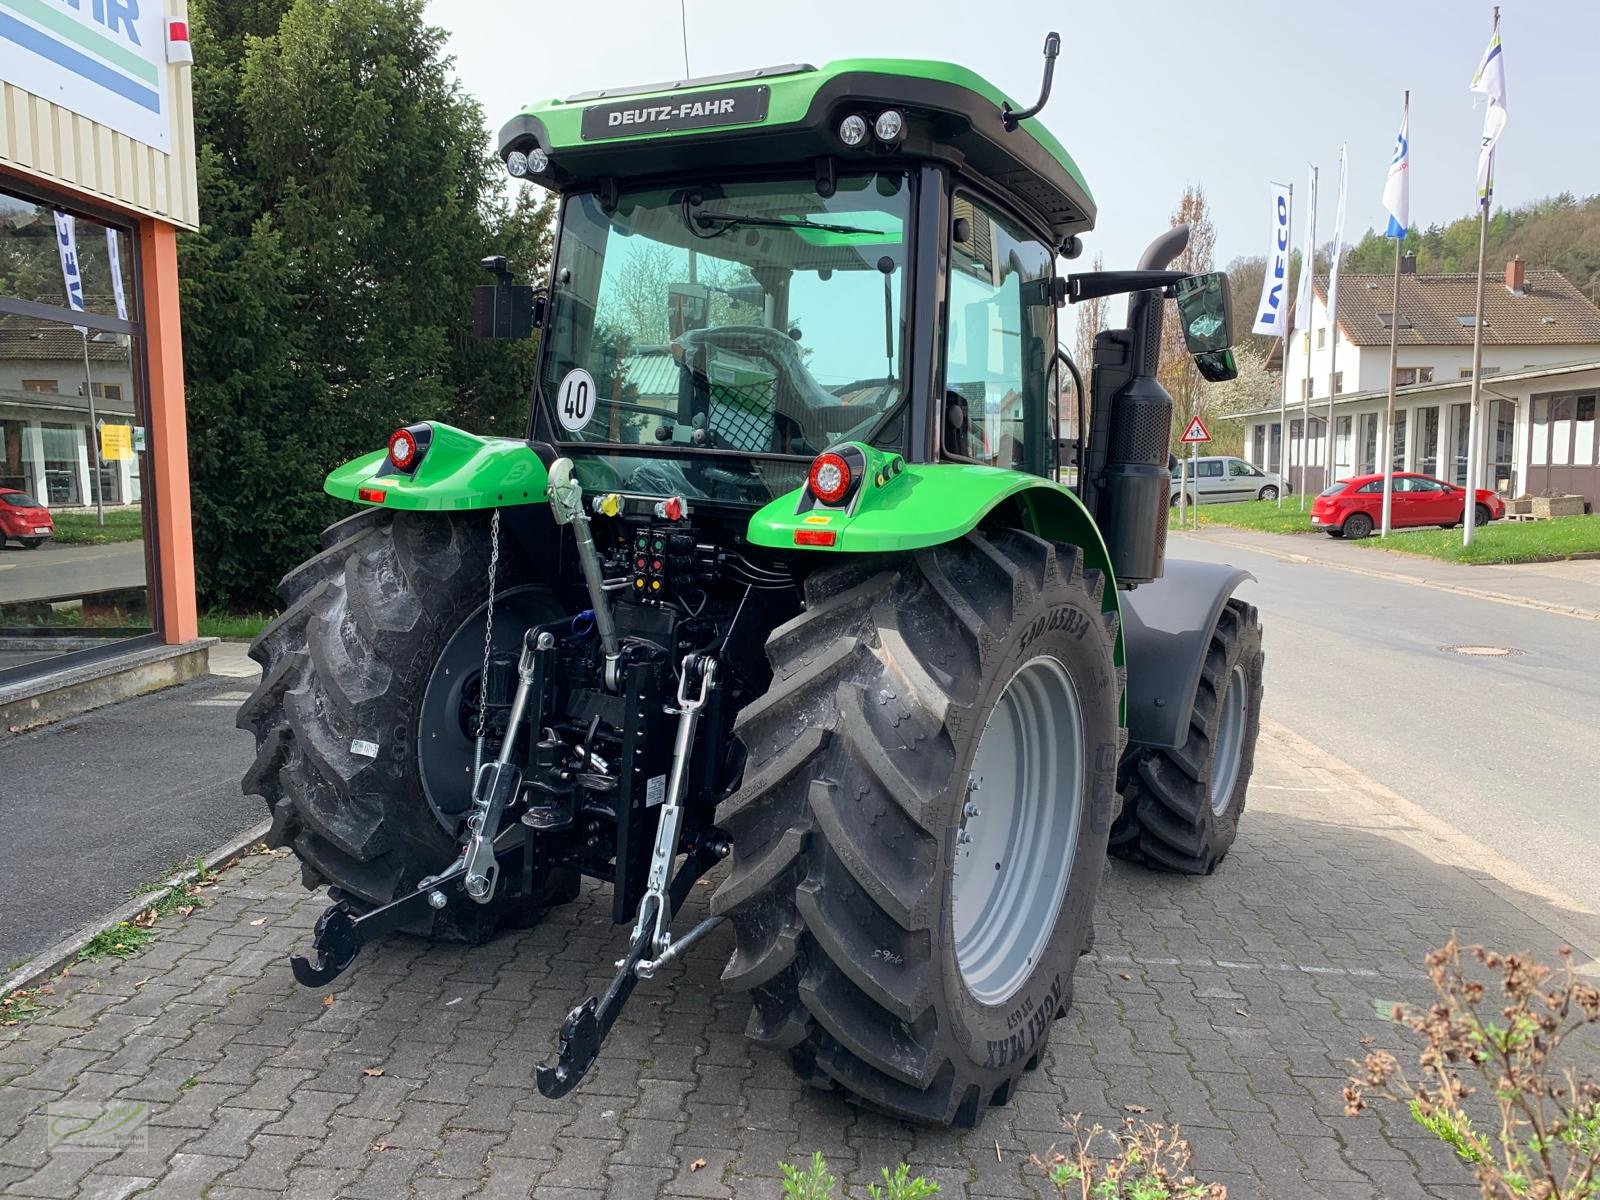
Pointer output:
x,y
1541,343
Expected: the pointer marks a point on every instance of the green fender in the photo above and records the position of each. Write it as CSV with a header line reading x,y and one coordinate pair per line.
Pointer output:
x,y
458,471
906,507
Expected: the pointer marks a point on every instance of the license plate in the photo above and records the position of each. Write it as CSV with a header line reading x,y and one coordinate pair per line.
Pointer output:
x,y
1316,520
43,529
701,110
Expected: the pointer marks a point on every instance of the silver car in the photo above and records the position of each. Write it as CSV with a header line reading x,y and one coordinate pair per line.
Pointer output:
x,y
1221,478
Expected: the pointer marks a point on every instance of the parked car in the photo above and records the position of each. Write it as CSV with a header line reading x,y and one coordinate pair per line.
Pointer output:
x,y
24,519
1353,508
1219,478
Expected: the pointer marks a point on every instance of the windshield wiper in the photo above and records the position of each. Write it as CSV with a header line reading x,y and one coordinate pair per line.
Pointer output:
x,y
706,218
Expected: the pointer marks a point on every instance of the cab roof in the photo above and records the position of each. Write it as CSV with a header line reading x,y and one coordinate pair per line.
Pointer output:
x,y
791,114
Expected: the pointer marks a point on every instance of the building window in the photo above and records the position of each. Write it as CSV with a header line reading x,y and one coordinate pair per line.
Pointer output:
x,y
1322,337
1466,372
1341,443
1305,389
51,402
1428,440
1400,440
1338,382
1408,376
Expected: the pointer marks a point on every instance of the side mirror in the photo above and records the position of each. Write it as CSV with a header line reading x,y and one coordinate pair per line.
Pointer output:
x,y
1205,307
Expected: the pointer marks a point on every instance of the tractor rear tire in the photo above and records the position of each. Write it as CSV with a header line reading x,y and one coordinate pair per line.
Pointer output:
x,y
1181,808
336,716
875,947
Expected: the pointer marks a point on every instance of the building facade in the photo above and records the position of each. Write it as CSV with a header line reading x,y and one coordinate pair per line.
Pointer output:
x,y
97,176
1537,433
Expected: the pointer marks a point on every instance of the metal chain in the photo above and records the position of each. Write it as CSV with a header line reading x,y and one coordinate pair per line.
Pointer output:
x,y
488,643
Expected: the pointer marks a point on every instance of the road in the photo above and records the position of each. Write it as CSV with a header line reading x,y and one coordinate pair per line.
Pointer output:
x,y
1504,748
55,571
95,807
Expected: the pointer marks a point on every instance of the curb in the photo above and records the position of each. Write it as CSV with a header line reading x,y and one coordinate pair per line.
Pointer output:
x,y
51,959
1564,610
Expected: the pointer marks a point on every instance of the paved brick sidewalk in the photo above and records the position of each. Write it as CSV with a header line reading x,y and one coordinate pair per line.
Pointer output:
x,y
1230,1005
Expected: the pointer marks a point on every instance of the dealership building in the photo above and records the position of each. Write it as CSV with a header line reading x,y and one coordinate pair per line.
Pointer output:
x,y
97,176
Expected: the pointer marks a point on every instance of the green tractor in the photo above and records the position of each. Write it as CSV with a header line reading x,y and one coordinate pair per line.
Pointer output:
x,y
801,569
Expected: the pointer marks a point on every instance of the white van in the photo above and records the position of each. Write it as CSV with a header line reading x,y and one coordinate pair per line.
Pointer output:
x,y
1220,478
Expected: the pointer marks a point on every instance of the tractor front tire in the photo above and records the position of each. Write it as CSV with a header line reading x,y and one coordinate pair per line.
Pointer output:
x,y
339,743
1181,808
894,943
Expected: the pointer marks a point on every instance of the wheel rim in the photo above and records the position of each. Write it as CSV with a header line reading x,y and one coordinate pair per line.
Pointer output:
x,y
1019,830
445,718
1230,741
1269,493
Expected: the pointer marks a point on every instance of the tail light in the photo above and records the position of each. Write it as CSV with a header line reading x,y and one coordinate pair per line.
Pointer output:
x,y
830,478
403,449
407,448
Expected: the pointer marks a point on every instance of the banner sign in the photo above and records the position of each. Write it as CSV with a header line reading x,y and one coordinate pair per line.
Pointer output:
x,y
1308,268
105,60
116,442
71,268
1273,309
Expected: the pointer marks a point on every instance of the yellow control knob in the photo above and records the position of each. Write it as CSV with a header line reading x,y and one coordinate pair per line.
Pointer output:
x,y
610,504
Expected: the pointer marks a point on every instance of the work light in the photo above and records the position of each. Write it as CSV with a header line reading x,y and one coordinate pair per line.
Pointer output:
x,y
889,125
853,130
517,163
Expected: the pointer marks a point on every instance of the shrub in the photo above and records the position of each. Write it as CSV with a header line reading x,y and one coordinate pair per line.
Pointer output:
x,y
1507,1035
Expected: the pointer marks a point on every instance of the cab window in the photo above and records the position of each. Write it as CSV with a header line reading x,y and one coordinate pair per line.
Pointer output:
x,y
1208,469
999,342
1237,467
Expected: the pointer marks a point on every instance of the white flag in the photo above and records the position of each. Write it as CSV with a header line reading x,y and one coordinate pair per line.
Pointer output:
x,y
71,269
1273,308
1397,185
1338,244
114,256
1490,80
1308,264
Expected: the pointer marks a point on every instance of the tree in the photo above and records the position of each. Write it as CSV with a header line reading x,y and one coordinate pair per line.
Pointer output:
x,y
348,193
1093,316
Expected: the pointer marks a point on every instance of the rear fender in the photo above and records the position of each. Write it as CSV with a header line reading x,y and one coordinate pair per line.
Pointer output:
x,y
457,471
912,506
1167,626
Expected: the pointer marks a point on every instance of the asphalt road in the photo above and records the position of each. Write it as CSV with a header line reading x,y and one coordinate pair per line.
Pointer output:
x,y
95,807
55,571
1507,749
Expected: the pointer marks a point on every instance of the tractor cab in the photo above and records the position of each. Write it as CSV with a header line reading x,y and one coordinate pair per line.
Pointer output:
x,y
770,265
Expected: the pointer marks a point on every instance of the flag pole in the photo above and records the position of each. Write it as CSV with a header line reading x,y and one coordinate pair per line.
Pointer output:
x,y
1394,356
1283,392
1283,419
1333,319
1387,446
1305,399
1469,502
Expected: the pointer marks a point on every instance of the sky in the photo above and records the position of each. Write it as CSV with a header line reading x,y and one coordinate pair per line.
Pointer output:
x,y
1150,95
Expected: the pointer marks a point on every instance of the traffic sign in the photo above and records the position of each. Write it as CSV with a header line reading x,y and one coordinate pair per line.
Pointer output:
x,y
1196,432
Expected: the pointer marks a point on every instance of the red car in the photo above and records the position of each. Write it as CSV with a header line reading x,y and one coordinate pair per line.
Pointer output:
x,y
25,519
1354,507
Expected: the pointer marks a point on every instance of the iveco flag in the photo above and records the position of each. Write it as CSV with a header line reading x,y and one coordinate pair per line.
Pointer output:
x,y
1273,310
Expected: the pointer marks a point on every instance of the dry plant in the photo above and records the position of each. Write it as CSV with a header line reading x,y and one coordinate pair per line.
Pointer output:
x,y
1503,1036
1145,1161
